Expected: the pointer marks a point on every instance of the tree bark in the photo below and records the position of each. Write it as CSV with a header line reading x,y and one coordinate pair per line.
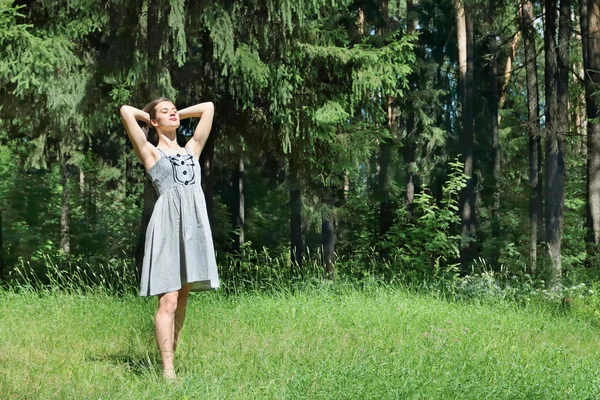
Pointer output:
x,y
590,32
464,24
297,246
461,36
556,108
65,208
495,184
579,111
508,72
409,147
296,237
387,150
360,21
386,161
328,239
534,135
239,217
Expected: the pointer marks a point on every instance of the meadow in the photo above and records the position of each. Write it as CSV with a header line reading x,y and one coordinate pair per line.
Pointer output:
x,y
316,343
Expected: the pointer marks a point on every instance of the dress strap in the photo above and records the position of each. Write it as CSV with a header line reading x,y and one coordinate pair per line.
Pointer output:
x,y
161,152
186,149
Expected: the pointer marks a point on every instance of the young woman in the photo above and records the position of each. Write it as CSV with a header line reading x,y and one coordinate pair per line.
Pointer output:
x,y
179,256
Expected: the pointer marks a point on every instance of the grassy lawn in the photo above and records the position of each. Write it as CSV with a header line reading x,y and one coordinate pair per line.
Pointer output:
x,y
317,344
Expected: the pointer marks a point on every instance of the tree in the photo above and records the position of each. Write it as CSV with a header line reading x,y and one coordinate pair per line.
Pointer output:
x,y
590,33
556,80
534,134
464,27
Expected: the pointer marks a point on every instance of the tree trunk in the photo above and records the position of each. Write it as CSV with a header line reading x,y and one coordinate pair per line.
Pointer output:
x,y
328,238
508,72
409,147
411,16
65,208
238,222
408,151
387,151
556,108
464,25
495,184
461,36
297,245
580,115
590,32
579,111
386,161
360,21
296,239
533,128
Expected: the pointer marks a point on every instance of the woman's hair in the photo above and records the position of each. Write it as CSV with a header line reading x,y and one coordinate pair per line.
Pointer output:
x,y
150,108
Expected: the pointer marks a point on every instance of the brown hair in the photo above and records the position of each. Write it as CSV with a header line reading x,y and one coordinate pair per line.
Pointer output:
x,y
150,108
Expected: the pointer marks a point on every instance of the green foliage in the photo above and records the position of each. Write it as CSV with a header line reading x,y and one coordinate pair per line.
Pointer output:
x,y
8,171
426,245
302,95
177,29
29,61
416,248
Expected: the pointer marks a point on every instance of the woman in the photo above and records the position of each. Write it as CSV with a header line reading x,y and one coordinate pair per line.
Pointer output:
x,y
179,255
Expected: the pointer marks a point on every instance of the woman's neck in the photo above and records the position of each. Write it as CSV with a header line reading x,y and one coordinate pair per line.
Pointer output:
x,y
168,140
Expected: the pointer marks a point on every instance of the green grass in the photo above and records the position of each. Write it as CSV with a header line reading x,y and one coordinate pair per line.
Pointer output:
x,y
317,344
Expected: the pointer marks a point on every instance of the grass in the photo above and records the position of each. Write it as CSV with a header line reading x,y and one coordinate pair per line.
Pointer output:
x,y
316,344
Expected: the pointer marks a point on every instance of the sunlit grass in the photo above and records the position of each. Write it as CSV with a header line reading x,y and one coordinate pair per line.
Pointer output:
x,y
318,343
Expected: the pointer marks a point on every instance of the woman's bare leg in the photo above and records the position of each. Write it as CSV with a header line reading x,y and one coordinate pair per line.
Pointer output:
x,y
165,330
180,312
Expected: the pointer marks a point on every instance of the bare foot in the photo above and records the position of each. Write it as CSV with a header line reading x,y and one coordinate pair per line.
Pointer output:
x,y
169,374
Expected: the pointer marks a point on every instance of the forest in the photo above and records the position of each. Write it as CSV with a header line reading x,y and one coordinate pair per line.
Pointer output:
x,y
404,140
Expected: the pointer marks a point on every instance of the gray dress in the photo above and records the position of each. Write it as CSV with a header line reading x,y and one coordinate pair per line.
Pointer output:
x,y
179,247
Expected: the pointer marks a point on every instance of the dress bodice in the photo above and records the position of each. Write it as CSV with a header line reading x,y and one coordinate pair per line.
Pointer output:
x,y
171,171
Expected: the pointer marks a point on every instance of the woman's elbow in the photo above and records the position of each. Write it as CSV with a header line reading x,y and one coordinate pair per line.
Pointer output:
x,y
124,110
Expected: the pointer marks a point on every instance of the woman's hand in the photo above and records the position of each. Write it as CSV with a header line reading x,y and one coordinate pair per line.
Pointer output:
x,y
138,114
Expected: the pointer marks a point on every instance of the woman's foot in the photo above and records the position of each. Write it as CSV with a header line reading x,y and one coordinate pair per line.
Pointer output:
x,y
169,374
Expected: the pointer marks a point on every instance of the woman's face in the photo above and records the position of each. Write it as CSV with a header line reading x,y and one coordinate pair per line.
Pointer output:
x,y
166,115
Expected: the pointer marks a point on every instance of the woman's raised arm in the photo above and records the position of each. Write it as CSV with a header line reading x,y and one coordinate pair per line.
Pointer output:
x,y
143,148
206,112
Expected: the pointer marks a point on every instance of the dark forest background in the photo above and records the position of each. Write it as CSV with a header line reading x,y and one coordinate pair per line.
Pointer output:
x,y
397,140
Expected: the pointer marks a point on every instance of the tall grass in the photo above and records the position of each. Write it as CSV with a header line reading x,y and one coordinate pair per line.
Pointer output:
x,y
330,342
117,276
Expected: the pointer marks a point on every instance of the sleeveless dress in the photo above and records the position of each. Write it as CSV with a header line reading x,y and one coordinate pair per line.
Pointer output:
x,y
179,247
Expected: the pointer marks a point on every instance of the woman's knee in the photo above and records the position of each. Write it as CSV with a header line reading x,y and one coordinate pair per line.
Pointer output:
x,y
168,302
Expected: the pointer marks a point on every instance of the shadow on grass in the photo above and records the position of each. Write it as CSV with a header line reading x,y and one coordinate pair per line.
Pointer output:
x,y
139,364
